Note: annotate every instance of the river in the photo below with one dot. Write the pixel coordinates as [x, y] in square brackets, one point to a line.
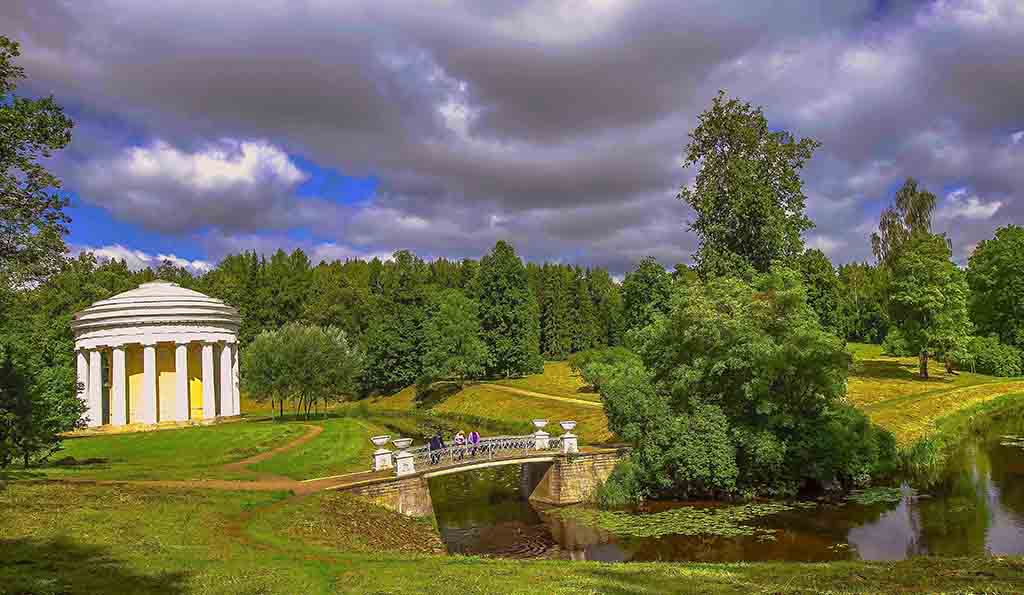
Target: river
[975, 507]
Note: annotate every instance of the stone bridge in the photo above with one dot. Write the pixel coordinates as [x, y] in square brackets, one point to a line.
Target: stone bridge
[567, 474]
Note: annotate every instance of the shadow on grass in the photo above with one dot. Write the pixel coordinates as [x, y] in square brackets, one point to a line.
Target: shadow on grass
[437, 393]
[894, 370]
[65, 566]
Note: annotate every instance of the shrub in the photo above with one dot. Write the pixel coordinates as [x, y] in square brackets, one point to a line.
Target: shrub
[623, 488]
[986, 355]
[896, 345]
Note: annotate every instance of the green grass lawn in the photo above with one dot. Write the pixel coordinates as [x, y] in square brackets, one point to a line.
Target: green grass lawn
[557, 379]
[487, 401]
[58, 538]
[893, 395]
[186, 453]
[342, 447]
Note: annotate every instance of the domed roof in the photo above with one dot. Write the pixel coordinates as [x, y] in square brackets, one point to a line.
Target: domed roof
[155, 304]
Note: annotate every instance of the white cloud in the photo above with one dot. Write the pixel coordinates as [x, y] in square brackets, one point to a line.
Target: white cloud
[959, 204]
[231, 183]
[138, 260]
[1017, 137]
[216, 167]
[826, 244]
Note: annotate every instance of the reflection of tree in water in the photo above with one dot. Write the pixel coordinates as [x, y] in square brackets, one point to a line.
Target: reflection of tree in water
[1008, 470]
[955, 519]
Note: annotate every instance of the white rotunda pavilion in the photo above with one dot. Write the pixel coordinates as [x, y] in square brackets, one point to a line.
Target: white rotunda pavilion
[158, 353]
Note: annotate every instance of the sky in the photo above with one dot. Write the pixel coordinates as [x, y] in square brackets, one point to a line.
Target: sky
[354, 129]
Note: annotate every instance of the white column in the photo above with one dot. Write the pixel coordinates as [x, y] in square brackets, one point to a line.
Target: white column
[95, 410]
[209, 390]
[235, 395]
[181, 405]
[82, 377]
[149, 407]
[227, 399]
[118, 392]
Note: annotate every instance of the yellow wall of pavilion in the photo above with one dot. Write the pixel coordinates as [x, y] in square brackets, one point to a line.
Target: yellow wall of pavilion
[133, 376]
[195, 380]
[165, 381]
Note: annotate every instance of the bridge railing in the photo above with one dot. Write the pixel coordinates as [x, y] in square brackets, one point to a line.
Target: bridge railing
[407, 459]
[486, 449]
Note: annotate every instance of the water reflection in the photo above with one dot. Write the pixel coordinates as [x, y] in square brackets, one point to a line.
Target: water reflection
[975, 508]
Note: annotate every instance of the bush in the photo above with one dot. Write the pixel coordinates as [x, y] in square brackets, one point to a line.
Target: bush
[622, 489]
[895, 344]
[986, 355]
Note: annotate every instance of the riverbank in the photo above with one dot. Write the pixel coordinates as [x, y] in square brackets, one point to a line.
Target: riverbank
[88, 538]
[928, 454]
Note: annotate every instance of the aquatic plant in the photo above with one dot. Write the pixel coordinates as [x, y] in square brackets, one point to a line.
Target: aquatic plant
[878, 495]
[725, 521]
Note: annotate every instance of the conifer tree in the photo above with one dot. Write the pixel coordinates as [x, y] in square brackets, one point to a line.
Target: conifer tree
[508, 314]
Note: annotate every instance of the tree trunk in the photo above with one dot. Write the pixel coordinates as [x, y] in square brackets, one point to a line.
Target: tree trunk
[923, 359]
[280, 408]
[949, 364]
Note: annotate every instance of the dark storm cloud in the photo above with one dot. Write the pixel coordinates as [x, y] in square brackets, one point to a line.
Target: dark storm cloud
[558, 125]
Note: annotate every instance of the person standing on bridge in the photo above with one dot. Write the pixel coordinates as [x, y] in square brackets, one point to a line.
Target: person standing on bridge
[436, 444]
[474, 439]
[460, 444]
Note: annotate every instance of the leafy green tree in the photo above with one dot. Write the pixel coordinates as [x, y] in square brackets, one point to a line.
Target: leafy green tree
[453, 347]
[748, 195]
[738, 391]
[863, 304]
[32, 218]
[909, 215]
[337, 300]
[394, 338]
[307, 365]
[646, 292]
[928, 298]
[995, 274]
[509, 318]
[823, 290]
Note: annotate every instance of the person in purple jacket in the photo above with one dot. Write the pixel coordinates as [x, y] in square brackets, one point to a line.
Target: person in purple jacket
[474, 439]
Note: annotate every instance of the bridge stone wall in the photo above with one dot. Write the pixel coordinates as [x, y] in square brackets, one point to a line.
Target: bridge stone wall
[569, 479]
[572, 479]
[409, 496]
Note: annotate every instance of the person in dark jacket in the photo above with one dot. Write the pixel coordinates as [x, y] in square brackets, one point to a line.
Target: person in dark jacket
[436, 444]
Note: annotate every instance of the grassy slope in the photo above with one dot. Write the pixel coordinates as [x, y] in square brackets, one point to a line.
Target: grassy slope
[889, 390]
[486, 401]
[105, 539]
[342, 447]
[557, 380]
[187, 453]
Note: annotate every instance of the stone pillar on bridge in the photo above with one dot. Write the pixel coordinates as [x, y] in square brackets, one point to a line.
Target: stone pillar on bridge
[570, 443]
[381, 456]
[404, 464]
